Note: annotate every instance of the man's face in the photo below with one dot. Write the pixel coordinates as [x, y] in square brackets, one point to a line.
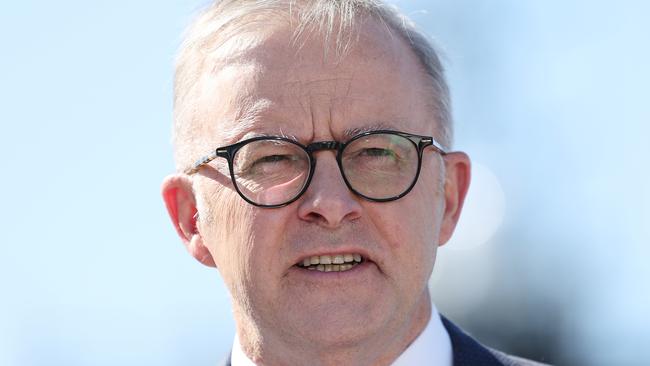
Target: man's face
[275, 88]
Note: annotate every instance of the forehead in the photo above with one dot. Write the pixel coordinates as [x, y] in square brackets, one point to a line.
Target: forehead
[263, 83]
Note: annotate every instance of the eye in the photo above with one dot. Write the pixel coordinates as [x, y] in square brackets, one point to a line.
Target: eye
[377, 152]
[273, 164]
[274, 159]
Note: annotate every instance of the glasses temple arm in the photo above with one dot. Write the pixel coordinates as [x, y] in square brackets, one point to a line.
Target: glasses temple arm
[201, 162]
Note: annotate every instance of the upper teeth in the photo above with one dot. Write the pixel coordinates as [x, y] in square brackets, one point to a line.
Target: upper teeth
[332, 259]
[331, 263]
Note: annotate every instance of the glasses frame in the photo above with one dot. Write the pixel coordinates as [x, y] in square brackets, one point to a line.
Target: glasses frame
[228, 152]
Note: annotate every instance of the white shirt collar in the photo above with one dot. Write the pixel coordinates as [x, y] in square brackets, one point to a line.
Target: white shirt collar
[431, 347]
[238, 357]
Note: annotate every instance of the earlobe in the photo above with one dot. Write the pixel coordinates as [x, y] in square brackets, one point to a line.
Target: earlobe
[181, 206]
[457, 179]
[199, 251]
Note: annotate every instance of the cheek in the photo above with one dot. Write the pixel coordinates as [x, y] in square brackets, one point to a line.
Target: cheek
[411, 227]
[428, 194]
[223, 222]
[244, 241]
[410, 221]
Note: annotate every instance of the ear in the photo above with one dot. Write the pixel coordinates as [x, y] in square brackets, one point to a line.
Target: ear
[179, 198]
[457, 178]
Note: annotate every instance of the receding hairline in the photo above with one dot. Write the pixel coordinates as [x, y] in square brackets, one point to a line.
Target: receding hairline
[337, 22]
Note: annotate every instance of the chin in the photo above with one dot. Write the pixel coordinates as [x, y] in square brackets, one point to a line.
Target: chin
[340, 337]
[340, 322]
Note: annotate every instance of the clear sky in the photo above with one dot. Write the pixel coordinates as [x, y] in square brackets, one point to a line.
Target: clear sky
[551, 102]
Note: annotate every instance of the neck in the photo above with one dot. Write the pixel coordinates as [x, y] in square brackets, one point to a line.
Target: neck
[381, 348]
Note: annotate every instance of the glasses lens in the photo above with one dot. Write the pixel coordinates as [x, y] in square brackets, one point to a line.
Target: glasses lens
[380, 166]
[270, 172]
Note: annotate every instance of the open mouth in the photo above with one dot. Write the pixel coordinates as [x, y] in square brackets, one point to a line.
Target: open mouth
[331, 263]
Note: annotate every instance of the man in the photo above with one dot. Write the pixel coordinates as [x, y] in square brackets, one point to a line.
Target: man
[324, 182]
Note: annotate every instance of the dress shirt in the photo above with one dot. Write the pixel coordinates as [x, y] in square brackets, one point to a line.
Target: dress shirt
[431, 347]
[238, 357]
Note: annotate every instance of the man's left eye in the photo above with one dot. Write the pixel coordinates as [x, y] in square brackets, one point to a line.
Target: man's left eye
[377, 152]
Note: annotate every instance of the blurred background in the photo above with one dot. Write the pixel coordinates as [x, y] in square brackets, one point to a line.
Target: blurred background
[550, 100]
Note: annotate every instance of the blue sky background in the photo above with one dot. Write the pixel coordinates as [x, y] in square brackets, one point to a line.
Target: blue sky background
[551, 102]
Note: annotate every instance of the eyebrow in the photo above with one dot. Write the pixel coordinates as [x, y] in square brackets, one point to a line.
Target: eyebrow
[280, 133]
[241, 133]
[351, 132]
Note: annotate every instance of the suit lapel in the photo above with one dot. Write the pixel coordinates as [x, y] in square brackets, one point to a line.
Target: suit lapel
[466, 350]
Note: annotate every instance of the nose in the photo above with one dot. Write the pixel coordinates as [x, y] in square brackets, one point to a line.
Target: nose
[328, 202]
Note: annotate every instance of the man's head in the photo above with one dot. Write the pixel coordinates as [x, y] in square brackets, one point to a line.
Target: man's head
[309, 72]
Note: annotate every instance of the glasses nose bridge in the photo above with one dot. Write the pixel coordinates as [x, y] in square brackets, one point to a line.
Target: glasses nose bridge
[324, 145]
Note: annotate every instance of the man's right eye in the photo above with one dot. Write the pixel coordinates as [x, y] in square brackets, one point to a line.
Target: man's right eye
[272, 159]
[270, 164]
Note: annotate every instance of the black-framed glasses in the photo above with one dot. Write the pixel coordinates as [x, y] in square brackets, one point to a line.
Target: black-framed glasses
[273, 171]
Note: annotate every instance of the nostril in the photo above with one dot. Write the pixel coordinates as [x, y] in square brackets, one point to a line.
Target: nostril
[330, 208]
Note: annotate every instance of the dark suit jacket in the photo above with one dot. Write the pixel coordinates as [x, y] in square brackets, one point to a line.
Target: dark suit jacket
[468, 352]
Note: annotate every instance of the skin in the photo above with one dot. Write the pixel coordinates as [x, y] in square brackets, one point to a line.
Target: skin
[286, 315]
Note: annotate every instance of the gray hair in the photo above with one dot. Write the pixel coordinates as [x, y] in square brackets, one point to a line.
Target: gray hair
[334, 19]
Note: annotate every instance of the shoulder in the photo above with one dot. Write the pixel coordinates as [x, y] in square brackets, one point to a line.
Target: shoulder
[509, 360]
[468, 351]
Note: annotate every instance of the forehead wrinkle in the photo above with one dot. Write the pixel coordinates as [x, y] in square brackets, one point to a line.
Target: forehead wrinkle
[255, 126]
[247, 117]
[278, 133]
